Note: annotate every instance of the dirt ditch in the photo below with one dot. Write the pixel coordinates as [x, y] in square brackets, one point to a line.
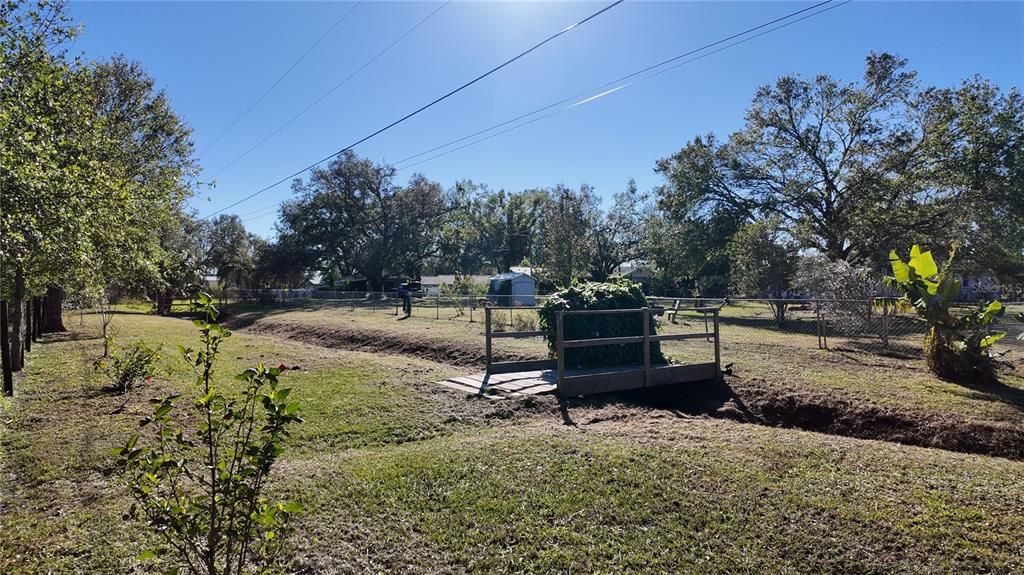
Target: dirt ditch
[359, 338]
[745, 399]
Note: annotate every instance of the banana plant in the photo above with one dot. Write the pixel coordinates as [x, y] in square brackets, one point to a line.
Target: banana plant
[956, 346]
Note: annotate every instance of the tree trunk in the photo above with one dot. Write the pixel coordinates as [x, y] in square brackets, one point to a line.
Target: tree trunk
[17, 315]
[30, 324]
[37, 317]
[5, 350]
[52, 319]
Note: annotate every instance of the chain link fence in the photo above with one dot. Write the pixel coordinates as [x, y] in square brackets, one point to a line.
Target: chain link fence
[877, 325]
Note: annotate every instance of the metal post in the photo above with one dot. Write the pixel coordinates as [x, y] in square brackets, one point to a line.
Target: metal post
[885, 322]
[718, 349]
[469, 302]
[487, 335]
[645, 314]
[560, 346]
[817, 321]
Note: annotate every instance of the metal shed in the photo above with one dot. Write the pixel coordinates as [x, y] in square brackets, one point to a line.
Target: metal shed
[513, 288]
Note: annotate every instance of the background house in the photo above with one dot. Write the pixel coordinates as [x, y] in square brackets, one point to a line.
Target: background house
[432, 284]
[637, 272]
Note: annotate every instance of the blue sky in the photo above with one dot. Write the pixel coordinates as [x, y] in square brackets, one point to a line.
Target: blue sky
[215, 59]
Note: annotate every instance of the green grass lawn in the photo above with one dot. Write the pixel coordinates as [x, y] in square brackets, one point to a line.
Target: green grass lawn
[790, 362]
[399, 476]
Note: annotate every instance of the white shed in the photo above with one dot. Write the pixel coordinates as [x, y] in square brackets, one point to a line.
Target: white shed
[513, 288]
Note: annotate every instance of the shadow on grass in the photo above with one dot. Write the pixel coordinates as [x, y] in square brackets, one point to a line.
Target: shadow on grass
[65, 336]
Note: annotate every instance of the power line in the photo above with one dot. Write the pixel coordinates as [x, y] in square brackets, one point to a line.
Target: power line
[425, 106]
[328, 92]
[280, 78]
[617, 88]
[612, 83]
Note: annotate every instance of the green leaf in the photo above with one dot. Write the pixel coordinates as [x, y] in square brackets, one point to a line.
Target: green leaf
[900, 270]
[990, 339]
[147, 555]
[923, 263]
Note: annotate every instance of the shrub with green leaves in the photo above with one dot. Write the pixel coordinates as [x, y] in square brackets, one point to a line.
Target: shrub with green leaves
[620, 294]
[201, 490]
[129, 366]
[955, 347]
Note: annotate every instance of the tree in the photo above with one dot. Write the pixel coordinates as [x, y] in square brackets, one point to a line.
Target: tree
[230, 252]
[93, 156]
[692, 253]
[184, 243]
[849, 168]
[508, 226]
[763, 261]
[354, 216]
[281, 264]
[619, 233]
[978, 141]
[566, 242]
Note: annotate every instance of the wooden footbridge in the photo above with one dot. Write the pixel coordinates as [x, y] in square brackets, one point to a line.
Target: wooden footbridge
[517, 378]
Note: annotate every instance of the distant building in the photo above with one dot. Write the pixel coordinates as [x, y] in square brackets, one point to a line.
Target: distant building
[637, 272]
[432, 284]
[522, 270]
[976, 288]
[513, 288]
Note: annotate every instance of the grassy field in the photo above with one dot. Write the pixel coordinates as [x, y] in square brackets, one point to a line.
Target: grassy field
[400, 476]
[759, 354]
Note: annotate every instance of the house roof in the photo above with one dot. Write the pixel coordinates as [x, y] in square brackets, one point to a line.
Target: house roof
[450, 279]
[511, 276]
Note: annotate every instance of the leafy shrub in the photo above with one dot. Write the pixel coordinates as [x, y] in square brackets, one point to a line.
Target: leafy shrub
[834, 285]
[129, 366]
[463, 290]
[621, 294]
[955, 347]
[202, 491]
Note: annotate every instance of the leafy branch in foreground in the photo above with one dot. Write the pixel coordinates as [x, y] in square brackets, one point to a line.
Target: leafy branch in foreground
[956, 347]
[202, 491]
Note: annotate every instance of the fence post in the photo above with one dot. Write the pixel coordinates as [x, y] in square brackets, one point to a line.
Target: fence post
[885, 323]
[817, 321]
[718, 350]
[470, 303]
[437, 305]
[645, 314]
[487, 335]
[560, 346]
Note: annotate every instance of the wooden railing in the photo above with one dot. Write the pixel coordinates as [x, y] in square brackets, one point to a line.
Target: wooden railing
[573, 382]
[651, 375]
[511, 366]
